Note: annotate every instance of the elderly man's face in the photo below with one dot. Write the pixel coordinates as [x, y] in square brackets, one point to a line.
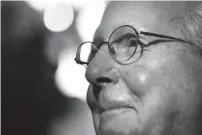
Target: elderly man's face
[157, 95]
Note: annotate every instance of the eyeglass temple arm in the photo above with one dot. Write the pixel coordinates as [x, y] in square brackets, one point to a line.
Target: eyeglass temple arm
[161, 36]
[168, 37]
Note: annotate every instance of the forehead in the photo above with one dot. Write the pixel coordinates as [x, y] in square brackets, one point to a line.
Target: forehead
[148, 16]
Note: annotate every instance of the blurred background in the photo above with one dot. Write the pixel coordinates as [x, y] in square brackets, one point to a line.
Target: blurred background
[43, 89]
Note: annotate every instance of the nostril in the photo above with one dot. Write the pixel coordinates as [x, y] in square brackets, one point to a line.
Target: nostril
[97, 87]
[103, 80]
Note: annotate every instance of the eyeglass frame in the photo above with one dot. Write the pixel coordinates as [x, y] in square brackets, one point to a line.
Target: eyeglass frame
[172, 39]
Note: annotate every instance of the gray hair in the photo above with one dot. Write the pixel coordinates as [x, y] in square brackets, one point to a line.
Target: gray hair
[191, 23]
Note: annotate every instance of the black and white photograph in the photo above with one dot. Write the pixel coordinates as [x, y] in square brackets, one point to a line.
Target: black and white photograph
[98, 67]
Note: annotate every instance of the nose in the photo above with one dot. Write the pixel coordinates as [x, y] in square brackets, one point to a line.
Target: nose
[101, 70]
[107, 89]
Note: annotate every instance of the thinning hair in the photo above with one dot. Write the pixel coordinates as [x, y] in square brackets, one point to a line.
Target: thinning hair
[191, 23]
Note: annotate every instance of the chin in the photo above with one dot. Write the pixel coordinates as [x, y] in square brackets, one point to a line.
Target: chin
[130, 123]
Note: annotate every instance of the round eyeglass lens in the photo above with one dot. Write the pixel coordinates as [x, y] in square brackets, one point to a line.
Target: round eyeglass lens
[123, 44]
[86, 52]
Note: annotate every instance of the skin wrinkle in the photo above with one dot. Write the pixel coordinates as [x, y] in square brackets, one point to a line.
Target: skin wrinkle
[168, 99]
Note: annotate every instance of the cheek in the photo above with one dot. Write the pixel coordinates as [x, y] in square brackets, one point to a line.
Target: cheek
[160, 100]
[157, 81]
[159, 110]
[162, 86]
[154, 69]
[141, 79]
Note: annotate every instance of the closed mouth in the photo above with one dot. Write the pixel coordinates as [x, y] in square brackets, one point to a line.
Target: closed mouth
[118, 109]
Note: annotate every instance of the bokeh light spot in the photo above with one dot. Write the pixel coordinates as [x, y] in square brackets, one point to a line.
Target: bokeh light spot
[89, 19]
[70, 77]
[58, 16]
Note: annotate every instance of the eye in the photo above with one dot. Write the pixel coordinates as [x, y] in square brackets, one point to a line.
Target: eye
[132, 42]
[124, 43]
[124, 48]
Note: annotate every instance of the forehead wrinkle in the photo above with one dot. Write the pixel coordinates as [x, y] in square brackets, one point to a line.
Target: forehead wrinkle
[118, 14]
[121, 13]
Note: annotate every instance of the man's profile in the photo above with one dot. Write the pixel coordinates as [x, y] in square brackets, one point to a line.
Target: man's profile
[146, 82]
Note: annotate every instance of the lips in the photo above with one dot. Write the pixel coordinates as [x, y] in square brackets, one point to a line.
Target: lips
[115, 106]
[116, 110]
[117, 103]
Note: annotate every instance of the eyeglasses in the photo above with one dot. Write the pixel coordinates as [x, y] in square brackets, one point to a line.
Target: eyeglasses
[125, 45]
